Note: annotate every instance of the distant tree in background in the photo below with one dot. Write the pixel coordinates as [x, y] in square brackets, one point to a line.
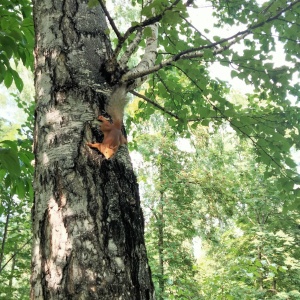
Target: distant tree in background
[253, 253]
[16, 170]
[215, 194]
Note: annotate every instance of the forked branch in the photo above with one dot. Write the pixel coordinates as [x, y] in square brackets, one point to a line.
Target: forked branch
[137, 27]
[224, 44]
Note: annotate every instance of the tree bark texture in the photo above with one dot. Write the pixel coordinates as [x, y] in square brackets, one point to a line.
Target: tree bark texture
[88, 230]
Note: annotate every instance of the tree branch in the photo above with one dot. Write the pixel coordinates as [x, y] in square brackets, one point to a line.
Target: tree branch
[17, 252]
[198, 53]
[110, 19]
[155, 104]
[222, 116]
[195, 28]
[142, 24]
[187, 54]
[130, 49]
[275, 16]
[238, 128]
[148, 100]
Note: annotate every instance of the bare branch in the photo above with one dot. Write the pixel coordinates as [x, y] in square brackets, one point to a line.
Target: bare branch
[155, 104]
[110, 19]
[148, 59]
[16, 252]
[161, 108]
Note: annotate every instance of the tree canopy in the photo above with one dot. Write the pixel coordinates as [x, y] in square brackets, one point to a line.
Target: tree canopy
[180, 85]
[16, 39]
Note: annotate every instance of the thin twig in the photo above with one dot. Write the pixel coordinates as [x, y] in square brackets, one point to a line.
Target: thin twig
[18, 251]
[155, 104]
[148, 100]
[110, 19]
[233, 125]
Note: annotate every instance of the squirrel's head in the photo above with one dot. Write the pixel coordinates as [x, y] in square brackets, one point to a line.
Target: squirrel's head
[107, 125]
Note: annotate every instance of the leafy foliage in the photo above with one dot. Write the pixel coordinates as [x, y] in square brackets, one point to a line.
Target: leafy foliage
[16, 39]
[170, 228]
[16, 192]
[16, 170]
[182, 88]
[217, 193]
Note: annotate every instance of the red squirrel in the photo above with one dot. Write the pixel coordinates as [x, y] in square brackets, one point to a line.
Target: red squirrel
[113, 136]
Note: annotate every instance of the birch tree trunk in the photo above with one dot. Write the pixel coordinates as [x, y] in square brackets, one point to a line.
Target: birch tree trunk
[88, 230]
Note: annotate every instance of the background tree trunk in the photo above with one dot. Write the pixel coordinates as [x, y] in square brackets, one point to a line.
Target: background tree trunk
[87, 222]
[4, 235]
[160, 229]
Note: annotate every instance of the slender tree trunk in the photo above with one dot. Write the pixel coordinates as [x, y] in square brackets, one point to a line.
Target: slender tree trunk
[88, 230]
[12, 271]
[274, 285]
[260, 283]
[5, 234]
[160, 222]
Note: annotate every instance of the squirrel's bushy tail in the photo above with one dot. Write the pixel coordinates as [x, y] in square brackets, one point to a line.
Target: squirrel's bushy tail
[116, 105]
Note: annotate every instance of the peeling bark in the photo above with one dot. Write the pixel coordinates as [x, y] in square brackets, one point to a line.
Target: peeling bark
[88, 229]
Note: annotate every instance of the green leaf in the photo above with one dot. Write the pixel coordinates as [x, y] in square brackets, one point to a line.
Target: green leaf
[205, 122]
[8, 79]
[234, 73]
[147, 32]
[20, 189]
[146, 11]
[207, 54]
[17, 79]
[9, 161]
[171, 18]
[2, 72]
[216, 38]
[10, 144]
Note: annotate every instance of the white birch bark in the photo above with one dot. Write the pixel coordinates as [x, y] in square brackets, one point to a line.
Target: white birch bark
[87, 222]
[147, 61]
